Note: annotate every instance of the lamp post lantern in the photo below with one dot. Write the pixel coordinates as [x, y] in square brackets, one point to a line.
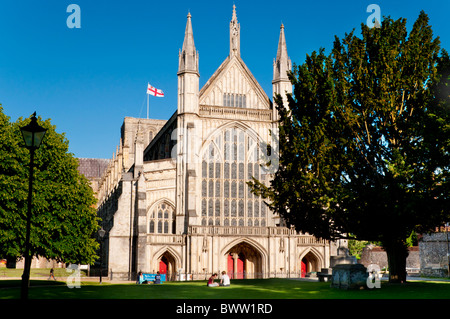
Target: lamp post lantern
[32, 134]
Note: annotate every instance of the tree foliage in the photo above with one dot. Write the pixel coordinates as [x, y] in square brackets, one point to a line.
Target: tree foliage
[63, 216]
[364, 144]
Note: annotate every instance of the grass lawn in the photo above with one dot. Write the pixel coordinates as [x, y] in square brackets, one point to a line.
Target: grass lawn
[240, 289]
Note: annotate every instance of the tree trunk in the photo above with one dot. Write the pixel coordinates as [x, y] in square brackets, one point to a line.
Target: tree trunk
[397, 252]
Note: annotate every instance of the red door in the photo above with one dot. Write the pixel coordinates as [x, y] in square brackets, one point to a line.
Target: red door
[230, 268]
[163, 266]
[303, 266]
[240, 267]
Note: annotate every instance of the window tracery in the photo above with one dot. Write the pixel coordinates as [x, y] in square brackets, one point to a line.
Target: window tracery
[162, 219]
[229, 161]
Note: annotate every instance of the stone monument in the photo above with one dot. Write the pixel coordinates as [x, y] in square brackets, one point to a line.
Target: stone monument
[349, 276]
[343, 257]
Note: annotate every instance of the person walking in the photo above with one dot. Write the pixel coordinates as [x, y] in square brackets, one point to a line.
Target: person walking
[52, 275]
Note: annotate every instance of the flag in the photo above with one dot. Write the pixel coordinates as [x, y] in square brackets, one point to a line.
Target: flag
[154, 91]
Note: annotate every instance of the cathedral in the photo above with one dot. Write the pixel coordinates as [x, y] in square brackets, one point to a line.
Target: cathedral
[174, 197]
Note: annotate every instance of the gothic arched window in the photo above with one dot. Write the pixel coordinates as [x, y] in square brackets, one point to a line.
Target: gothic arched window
[234, 100]
[162, 219]
[229, 161]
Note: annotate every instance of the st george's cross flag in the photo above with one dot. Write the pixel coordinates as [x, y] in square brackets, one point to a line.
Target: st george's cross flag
[154, 91]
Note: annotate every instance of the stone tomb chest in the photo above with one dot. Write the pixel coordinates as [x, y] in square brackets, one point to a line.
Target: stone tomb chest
[349, 276]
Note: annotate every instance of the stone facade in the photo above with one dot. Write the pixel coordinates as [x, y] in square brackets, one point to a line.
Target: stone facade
[174, 197]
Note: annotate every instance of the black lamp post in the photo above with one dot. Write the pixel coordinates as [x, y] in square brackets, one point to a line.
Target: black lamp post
[32, 134]
[101, 234]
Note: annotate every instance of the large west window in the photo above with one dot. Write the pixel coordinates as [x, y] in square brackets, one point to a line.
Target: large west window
[229, 161]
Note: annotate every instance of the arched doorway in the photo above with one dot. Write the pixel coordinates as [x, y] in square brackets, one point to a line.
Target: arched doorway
[244, 261]
[309, 263]
[167, 265]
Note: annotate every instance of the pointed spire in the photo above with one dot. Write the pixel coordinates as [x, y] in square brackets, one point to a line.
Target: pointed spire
[188, 58]
[234, 13]
[235, 46]
[282, 63]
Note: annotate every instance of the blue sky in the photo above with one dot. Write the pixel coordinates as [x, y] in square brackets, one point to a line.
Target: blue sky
[88, 79]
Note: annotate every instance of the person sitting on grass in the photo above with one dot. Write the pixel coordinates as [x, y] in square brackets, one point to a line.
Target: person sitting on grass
[225, 280]
[211, 282]
[157, 278]
[140, 279]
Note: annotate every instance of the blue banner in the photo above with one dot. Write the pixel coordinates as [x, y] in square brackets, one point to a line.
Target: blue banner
[151, 277]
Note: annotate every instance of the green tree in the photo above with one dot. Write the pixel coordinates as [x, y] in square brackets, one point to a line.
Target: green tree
[63, 217]
[364, 144]
[356, 247]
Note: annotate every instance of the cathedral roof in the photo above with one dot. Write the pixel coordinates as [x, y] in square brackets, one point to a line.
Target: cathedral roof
[92, 167]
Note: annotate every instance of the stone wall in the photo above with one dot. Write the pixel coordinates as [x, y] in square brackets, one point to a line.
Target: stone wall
[376, 255]
[433, 250]
[40, 262]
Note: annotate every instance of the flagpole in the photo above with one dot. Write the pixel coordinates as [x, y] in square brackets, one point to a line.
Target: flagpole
[147, 105]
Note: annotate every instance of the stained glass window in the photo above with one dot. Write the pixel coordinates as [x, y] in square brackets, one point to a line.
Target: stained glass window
[204, 188]
[204, 207]
[225, 193]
